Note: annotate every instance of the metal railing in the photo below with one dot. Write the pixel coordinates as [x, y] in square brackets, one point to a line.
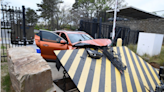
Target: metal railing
[11, 21]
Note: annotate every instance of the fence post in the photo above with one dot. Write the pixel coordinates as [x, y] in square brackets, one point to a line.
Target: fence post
[24, 26]
[94, 27]
[81, 28]
[99, 35]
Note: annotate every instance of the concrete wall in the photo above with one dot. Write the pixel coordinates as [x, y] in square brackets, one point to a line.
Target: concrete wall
[146, 25]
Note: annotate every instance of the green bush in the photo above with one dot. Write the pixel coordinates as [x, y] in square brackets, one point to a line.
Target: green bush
[157, 58]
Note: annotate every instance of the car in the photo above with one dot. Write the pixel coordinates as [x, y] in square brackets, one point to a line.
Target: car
[48, 41]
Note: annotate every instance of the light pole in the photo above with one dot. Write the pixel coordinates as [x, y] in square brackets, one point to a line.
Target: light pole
[114, 20]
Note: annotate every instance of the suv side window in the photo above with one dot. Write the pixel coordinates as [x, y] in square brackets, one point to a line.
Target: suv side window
[38, 33]
[64, 36]
[57, 33]
[48, 36]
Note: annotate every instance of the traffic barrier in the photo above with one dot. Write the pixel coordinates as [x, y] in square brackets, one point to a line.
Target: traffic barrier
[100, 75]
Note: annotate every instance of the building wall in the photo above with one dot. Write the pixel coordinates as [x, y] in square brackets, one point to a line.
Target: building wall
[147, 25]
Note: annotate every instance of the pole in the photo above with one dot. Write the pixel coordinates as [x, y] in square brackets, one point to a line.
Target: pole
[114, 21]
[24, 26]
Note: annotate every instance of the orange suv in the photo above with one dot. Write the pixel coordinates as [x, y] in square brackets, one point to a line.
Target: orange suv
[48, 41]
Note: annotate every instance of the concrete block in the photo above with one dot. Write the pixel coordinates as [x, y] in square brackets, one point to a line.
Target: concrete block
[29, 72]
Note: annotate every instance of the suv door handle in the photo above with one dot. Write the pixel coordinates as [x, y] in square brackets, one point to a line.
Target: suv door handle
[45, 45]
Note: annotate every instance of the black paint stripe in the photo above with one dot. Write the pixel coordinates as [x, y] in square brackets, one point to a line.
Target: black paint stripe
[88, 85]
[155, 82]
[80, 68]
[102, 75]
[124, 87]
[61, 54]
[150, 87]
[156, 72]
[113, 77]
[130, 72]
[138, 74]
[71, 59]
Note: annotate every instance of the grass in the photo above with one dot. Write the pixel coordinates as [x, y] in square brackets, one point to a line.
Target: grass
[132, 47]
[4, 52]
[157, 58]
[3, 47]
[4, 59]
[6, 83]
[5, 78]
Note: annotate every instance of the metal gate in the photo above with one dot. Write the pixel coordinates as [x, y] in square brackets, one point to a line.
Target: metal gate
[97, 29]
[12, 20]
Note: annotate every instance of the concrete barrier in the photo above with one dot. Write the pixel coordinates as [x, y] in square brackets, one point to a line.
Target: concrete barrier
[29, 72]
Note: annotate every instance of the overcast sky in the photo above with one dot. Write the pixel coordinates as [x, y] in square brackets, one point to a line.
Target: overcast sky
[146, 5]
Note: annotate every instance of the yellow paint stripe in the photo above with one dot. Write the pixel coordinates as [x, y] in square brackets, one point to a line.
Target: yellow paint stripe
[138, 86]
[65, 57]
[126, 73]
[147, 73]
[108, 76]
[118, 77]
[153, 72]
[96, 77]
[84, 74]
[75, 63]
[57, 52]
[157, 71]
[100, 51]
[140, 72]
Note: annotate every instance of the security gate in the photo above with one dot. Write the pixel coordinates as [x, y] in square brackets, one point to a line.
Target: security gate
[12, 20]
[97, 29]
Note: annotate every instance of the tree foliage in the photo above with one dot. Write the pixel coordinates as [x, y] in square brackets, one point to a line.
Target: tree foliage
[93, 8]
[163, 15]
[48, 9]
[31, 16]
[63, 17]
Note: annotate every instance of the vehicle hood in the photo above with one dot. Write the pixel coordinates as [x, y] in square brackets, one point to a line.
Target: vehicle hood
[96, 42]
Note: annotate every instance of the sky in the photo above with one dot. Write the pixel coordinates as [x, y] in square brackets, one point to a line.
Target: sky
[146, 5]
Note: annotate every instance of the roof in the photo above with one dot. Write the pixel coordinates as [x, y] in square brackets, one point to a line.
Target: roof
[100, 75]
[135, 13]
[69, 31]
[63, 31]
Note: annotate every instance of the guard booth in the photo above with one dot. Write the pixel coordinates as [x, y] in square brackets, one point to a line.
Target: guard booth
[100, 75]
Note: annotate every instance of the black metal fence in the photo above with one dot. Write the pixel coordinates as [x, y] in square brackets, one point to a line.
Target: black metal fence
[97, 29]
[12, 21]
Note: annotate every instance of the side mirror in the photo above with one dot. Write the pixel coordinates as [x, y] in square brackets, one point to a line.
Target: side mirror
[63, 42]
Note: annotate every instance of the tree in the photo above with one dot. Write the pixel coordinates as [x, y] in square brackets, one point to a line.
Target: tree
[4, 3]
[154, 12]
[31, 16]
[83, 7]
[62, 18]
[94, 7]
[163, 15]
[48, 9]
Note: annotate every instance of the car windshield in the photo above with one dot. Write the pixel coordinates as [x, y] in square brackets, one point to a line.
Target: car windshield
[79, 37]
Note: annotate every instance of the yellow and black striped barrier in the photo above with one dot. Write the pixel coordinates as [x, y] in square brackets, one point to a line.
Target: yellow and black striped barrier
[99, 75]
